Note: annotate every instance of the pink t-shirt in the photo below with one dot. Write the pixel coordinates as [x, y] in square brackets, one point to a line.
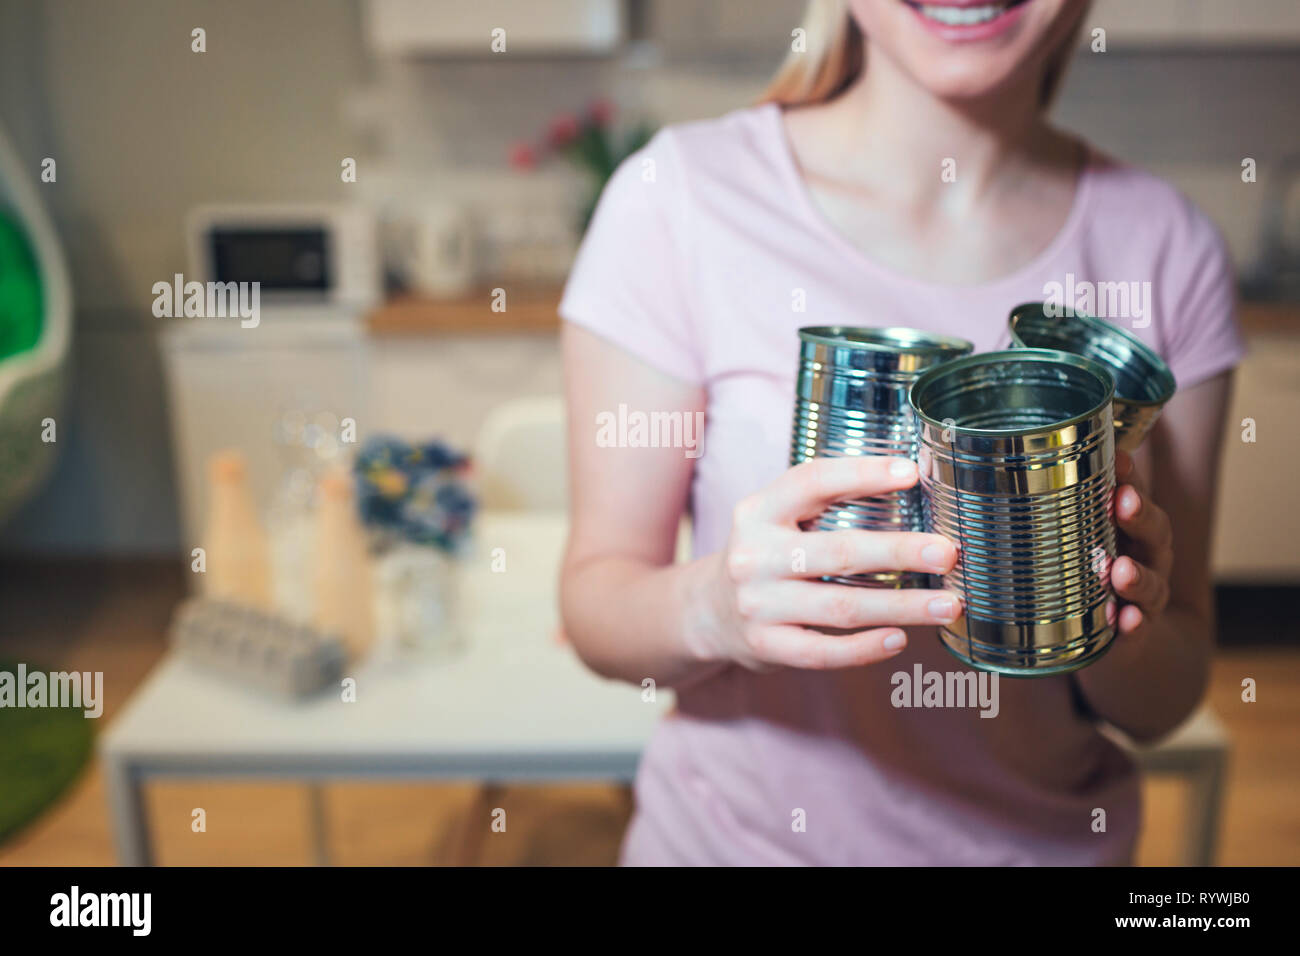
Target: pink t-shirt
[702, 250]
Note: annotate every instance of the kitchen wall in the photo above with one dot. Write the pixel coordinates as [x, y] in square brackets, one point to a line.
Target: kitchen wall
[142, 128]
[1190, 114]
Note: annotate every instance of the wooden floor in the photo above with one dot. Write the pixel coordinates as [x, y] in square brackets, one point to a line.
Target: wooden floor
[112, 619]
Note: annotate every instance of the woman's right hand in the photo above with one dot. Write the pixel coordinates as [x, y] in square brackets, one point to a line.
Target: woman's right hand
[768, 604]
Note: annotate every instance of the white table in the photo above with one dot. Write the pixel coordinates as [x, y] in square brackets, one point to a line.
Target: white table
[516, 706]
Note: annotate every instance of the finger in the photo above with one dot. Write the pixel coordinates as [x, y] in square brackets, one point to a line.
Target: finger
[1138, 584]
[1126, 471]
[812, 603]
[838, 553]
[855, 551]
[806, 489]
[797, 647]
[1131, 619]
[1143, 521]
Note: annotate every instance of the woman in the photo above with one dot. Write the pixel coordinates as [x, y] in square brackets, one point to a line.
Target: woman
[901, 172]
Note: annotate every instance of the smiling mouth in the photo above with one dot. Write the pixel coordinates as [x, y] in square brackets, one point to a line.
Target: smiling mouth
[964, 16]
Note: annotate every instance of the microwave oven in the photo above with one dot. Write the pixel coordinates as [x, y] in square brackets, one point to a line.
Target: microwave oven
[302, 254]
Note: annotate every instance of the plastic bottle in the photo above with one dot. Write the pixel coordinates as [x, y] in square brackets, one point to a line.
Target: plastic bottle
[341, 583]
[238, 565]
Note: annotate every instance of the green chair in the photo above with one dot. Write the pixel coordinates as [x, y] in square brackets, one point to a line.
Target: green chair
[32, 379]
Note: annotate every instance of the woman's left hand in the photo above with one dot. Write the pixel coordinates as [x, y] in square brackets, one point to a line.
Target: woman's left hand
[1141, 575]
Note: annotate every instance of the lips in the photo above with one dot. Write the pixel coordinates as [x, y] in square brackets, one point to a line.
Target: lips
[967, 19]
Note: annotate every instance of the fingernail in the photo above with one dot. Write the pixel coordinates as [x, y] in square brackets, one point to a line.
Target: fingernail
[895, 641]
[942, 609]
[1132, 501]
[935, 555]
[900, 468]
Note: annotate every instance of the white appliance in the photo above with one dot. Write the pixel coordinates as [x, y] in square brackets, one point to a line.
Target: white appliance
[302, 254]
[433, 249]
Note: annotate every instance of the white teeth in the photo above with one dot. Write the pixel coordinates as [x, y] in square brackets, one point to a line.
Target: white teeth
[962, 16]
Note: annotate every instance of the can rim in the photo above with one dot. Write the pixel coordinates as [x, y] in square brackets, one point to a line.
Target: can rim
[885, 339]
[1054, 356]
[1164, 375]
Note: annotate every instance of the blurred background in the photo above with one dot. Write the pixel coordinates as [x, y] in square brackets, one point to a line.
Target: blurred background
[410, 188]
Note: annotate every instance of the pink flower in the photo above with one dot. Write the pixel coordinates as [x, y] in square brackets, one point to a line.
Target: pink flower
[564, 129]
[523, 156]
[601, 112]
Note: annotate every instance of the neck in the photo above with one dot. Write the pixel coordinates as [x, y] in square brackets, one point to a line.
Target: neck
[905, 134]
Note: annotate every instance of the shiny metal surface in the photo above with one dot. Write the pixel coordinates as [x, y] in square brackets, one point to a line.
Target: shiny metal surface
[851, 399]
[1143, 382]
[1017, 466]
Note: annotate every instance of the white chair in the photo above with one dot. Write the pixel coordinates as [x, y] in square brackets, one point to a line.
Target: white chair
[520, 461]
[1197, 752]
[519, 457]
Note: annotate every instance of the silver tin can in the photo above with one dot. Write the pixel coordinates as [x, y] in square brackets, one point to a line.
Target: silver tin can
[1018, 468]
[851, 399]
[1143, 382]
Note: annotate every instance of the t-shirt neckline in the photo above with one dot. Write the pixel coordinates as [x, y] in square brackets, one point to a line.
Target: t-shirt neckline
[789, 165]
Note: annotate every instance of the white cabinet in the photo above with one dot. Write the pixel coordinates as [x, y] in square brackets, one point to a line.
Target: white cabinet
[414, 27]
[231, 387]
[1257, 527]
[1197, 23]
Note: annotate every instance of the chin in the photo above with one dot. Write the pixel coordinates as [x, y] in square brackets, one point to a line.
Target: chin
[962, 78]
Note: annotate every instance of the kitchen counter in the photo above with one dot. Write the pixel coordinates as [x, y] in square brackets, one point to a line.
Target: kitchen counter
[528, 309]
[1269, 318]
[534, 308]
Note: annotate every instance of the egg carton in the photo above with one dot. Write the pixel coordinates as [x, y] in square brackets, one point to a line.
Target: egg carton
[261, 650]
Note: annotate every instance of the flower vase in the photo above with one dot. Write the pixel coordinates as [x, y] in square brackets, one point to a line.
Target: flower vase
[416, 601]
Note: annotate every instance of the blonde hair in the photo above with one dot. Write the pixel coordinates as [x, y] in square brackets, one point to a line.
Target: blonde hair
[835, 56]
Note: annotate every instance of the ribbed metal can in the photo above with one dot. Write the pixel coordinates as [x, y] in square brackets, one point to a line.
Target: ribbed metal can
[1143, 382]
[1017, 465]
[851, 399]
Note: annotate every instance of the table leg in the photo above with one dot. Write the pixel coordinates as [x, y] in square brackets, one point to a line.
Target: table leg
[319, 829]
[478, 818]
[129, 817]
[1203, 807]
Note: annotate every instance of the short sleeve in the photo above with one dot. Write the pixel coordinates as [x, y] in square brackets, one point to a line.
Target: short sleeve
[1202, 337]
[629, 281]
